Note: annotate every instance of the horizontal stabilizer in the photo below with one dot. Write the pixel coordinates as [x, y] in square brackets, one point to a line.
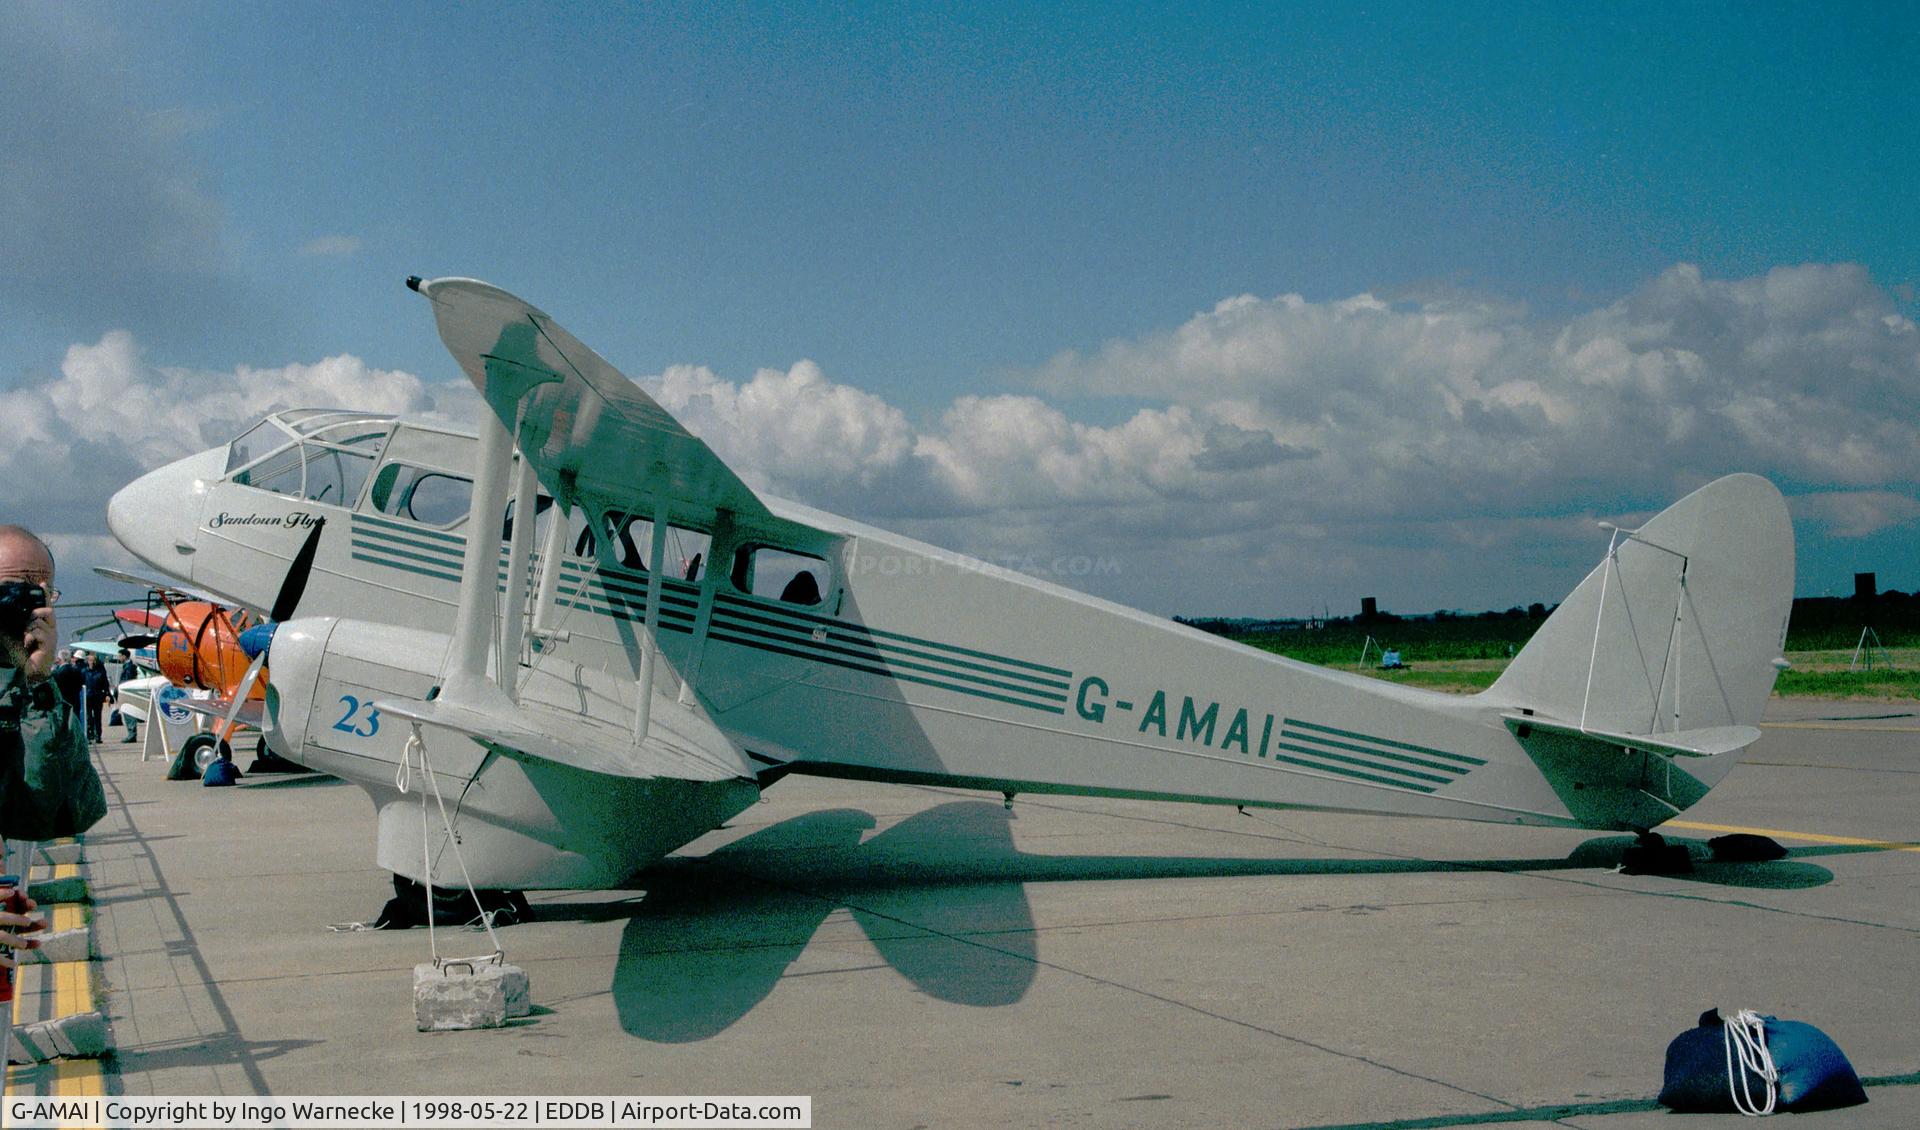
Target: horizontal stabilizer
[1709, 741]
[578, 743]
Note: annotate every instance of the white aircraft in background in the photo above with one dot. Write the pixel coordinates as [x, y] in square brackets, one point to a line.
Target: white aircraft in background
[601, 685]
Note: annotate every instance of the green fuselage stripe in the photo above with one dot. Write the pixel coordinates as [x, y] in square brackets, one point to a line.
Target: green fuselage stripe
[456, 540]
[406, 568]
[883, 672]
[438, 552]
[1428, 750]
[1362, 763]
[947, 664]
[670, 619]
[729, 623]
[844, 626]
[394, 551]
[1344, 772]
[624, 598]
[1454, 770]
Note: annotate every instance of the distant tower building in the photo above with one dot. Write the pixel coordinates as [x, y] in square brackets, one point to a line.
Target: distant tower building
[1864, 588]
[1370, 607]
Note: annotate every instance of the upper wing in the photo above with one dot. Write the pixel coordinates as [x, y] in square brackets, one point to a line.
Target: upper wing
[588, 431]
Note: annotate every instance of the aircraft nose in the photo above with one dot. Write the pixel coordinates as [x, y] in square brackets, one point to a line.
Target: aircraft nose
[156, 517]
[296, 653]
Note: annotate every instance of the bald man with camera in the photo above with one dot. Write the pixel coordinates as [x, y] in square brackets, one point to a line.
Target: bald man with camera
[48, 787]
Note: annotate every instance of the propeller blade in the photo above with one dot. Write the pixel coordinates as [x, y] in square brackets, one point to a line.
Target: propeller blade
[240, 694]
[295, 586]
[135, 643]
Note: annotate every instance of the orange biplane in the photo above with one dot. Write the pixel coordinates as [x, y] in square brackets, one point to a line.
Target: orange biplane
[197, 644]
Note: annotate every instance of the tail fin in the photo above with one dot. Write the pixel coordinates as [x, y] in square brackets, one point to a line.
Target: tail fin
[1677, 629]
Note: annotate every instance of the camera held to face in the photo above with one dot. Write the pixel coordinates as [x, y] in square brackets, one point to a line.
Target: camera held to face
[18, 602]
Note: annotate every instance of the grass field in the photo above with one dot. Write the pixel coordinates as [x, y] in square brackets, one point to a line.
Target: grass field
[1466, 654]
[1815, 674]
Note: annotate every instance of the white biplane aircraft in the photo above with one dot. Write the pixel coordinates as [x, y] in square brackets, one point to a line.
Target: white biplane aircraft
[628, 670]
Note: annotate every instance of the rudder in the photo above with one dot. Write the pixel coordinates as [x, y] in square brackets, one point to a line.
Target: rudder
[1677, 629]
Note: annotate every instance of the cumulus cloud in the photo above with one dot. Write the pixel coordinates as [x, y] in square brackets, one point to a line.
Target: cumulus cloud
[1292, 437]
[109, 416]
[1806, 373]
[796, 429]
[1857, 514]
[1290, 453]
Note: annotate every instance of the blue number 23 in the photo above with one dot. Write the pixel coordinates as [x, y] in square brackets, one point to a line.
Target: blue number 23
[346, 722]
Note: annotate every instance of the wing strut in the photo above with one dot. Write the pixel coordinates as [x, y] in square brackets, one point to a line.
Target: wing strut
[650, 642]
[473, 625]
[519, 558]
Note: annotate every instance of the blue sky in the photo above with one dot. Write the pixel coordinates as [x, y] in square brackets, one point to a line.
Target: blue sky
[968, 241]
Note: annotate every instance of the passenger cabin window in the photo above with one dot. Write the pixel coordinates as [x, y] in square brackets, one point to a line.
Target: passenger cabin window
[631, 541]
[541, 504]
[797, 578]
[431, 498]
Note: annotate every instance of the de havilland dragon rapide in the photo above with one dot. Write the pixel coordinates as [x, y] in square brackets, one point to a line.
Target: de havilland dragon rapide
[591, 642]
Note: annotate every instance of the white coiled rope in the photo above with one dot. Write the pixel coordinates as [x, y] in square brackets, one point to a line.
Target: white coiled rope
[417, 747]
[1746, 1036]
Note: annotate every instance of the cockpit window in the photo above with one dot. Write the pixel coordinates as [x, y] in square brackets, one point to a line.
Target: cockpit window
[432, 498]
[335, 475]
[256, 441]
[312, 471]
[332, 425]
[797, 578]
[309, 453]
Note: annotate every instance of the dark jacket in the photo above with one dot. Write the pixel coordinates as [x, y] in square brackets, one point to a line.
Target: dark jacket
[69, 678]
[99, 687]
[48, 787]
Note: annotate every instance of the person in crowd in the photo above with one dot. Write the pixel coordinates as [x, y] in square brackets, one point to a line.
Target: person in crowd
[100, 693]
[70, 678]
[128, 670]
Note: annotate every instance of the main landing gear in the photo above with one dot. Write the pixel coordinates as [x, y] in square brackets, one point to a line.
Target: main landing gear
[408, 906]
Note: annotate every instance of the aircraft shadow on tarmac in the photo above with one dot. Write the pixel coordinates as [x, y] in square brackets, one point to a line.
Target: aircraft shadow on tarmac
[941, 896]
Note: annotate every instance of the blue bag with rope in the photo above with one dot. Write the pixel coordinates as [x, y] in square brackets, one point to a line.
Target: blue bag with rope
[1757, 1064]
[222, 772]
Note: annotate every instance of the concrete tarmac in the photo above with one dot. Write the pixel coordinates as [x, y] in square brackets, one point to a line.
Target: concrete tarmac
[926, 957]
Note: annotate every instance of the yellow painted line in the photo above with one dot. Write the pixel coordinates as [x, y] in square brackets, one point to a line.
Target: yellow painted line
[72, 994]
[78, 1078]
[72, 985]
[1809, 837]
[1839, 726]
